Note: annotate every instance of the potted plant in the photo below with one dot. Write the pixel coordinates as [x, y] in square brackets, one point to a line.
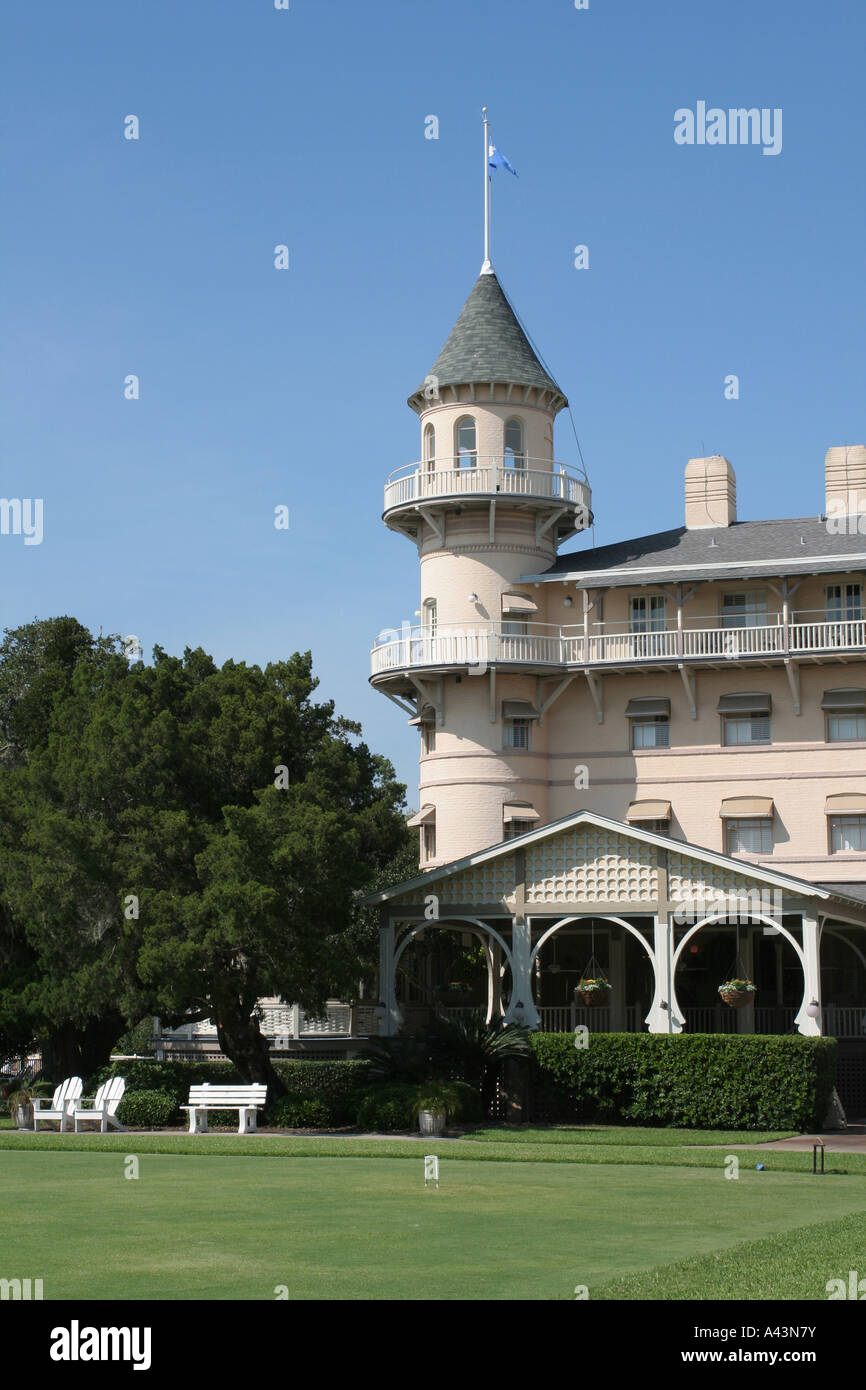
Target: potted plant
[431, 1110]
[592, 989]
[737, 993]
[20, 1102]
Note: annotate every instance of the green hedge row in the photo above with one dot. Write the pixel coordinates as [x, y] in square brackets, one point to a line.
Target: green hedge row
[697, 1081]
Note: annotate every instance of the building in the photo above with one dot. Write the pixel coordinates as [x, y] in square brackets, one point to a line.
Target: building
[615, 737]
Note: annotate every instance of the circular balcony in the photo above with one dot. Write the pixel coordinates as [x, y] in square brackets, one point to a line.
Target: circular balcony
[472, 648]
[473, 477]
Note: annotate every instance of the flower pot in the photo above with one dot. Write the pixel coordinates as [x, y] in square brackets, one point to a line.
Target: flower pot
[431, 1122]
[736, 998]
[590, 998]
[23, 1117]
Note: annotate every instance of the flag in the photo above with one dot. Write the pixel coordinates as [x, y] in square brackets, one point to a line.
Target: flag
[495, 161]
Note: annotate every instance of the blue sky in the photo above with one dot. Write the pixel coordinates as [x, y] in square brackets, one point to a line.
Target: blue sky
[261, 387]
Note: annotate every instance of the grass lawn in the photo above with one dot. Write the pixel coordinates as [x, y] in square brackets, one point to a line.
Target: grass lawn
[224, 1225]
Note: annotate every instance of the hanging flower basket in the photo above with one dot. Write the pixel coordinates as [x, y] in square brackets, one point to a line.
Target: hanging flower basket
[738, 993]
[593, 990]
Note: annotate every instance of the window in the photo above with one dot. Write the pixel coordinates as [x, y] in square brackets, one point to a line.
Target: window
[651, 733]
[745, 610]
[428, 840]
[429, 448]
[740, 729]
[847, 833]
[515, 733]
[844, 601]
[515, 456]
[752, 835]
[513, 828]
[430, 617]
[514, 628]
[842, 728]
[464, 440]
[648, 613]
[428, 738]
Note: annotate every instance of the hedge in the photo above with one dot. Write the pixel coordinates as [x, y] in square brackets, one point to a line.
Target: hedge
[146, 1109]
[333, 1082]
[695, 1081]
[385, 1108]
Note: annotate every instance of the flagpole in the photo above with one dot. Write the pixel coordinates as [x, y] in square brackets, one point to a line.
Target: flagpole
[487, 267]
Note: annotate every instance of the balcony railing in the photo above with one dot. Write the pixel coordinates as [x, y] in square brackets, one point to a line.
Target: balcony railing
[474, 475]
[543, 644]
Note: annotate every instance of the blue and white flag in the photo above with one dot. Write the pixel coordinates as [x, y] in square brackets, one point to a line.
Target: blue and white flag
[495, 161]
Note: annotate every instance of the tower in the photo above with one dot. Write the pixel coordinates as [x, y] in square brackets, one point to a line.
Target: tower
[486, 503]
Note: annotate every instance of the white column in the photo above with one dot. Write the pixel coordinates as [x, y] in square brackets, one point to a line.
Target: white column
[811, 1027]
[393, 1019]
[664, 1015]
[521, 976]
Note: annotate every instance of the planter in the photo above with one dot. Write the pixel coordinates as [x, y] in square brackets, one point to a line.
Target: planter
[737, 998]
[431, 1122]
[23, 1117]
[591, 997]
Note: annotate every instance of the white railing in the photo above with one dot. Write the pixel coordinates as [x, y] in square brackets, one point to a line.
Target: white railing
[844, 1021]
[564, 1018]
[275, 1021]
[479, 644]
[486, 476]
[476, 645]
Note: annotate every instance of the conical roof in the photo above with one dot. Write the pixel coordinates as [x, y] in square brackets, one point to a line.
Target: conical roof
[488, 344]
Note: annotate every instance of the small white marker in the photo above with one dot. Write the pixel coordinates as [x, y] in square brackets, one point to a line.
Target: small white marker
[431, 1169]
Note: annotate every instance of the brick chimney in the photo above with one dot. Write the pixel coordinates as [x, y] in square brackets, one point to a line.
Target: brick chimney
[845, 480]
[711, 493]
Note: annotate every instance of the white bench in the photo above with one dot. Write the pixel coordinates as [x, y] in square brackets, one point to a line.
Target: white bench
[247, 1100]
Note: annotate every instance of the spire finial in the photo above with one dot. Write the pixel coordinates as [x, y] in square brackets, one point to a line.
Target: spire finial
[487, 267]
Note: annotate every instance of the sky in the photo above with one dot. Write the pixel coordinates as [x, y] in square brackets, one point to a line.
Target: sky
[262, 387]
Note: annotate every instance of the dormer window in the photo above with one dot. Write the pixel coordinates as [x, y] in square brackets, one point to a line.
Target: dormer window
[464, 442]
[515, 453]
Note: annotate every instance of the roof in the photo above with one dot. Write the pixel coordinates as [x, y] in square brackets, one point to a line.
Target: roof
[743, 550]
[745, 869]
[487, 343]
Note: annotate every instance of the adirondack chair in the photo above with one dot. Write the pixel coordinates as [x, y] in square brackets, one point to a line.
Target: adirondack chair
[103, 1106]
[63, 1102]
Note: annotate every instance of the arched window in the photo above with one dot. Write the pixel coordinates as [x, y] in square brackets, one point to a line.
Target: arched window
[515, 454]
[429, 448]
[464, 442]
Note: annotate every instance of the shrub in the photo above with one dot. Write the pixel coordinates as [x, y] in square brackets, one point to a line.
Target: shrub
[397, 1106]
[696, 1081]
[172, 1078]
[146, 1109]
[335, 1083]
[301, 1112]
[461, 1103]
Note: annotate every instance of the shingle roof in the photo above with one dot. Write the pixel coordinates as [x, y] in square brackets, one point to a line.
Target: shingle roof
[488, 344]
[746, 549]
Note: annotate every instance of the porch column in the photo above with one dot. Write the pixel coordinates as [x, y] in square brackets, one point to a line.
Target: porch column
[493, 952]
[617, 980]
[810, 1027]
[393, 1019]
[522, 1007]
[668, 1019]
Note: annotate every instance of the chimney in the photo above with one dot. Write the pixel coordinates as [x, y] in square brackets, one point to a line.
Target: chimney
[845, 480]
[711, 493]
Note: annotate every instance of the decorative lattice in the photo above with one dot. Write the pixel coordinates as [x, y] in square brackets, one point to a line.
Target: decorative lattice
[590, 864]
[695, 880]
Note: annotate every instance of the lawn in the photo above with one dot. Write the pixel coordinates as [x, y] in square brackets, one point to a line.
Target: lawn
[225, 1225]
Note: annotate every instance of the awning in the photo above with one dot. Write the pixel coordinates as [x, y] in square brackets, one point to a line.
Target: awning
[845, 804]
[518, 709]
[753, 702]
[518, 603]
[751, 806]
[849, 699]
[512, 811]
[426, 716]
[648, 810]
[425, 816]
[648, 708]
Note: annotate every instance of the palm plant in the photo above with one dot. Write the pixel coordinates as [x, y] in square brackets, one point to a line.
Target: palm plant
[477, 1049]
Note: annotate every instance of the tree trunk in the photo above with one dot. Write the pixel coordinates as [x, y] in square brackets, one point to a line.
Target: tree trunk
[516, 1087]
[241, 1039]
[70, 1050]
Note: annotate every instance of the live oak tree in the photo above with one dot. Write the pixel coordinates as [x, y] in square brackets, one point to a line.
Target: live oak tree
[193, 838]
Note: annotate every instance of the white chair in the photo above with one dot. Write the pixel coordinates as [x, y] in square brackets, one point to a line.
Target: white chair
[62, 1103]
[103, 1106]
